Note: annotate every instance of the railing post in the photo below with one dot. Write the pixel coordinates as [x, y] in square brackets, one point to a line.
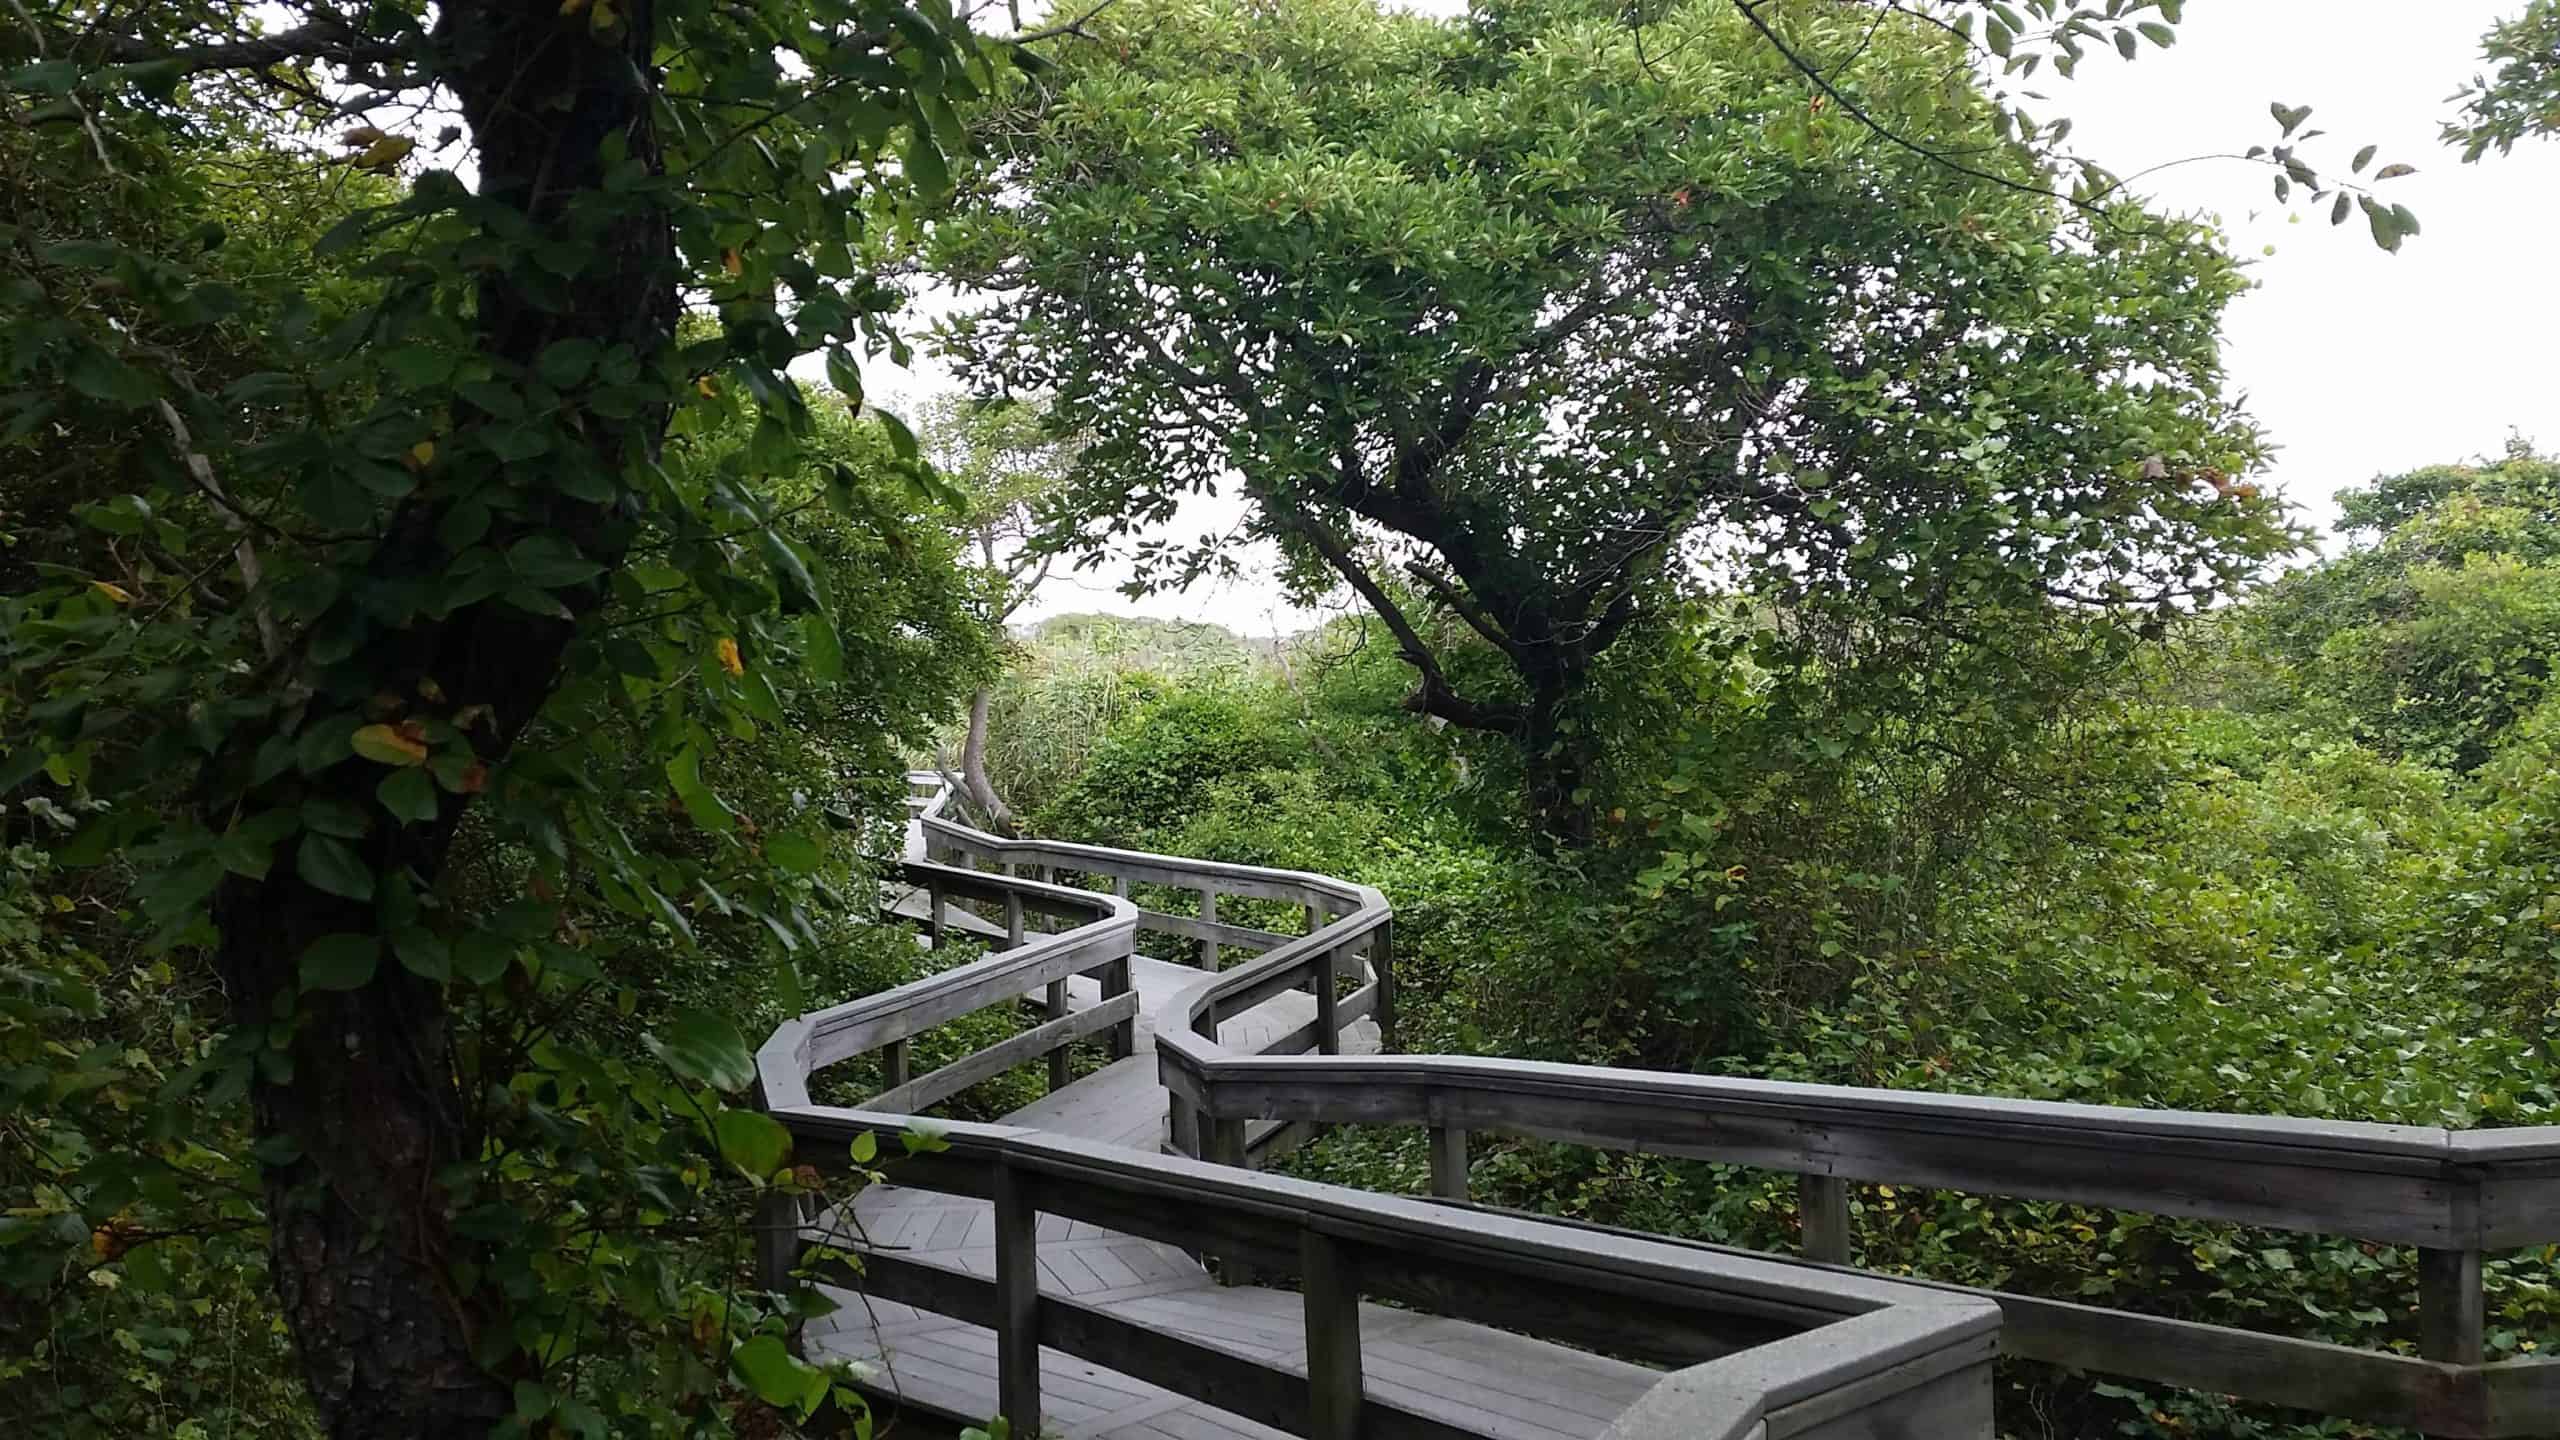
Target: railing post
[777, 1239]
[1017, 1302]
[1315, 918]
[1333, 1339]
[1382, 963]
[1448, 1162]
[1060, 1058]
[1328, 1024]
[1823, 1205]
[2451, 1312]
[1120, 886]
[1012, 921]
[1115, 983]
[893, 1064]
[1209, 916]
[1224, 1139]
[933, 921]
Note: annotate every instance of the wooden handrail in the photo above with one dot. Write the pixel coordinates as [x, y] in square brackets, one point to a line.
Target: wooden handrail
[1755, 1340]
[1761, 1341]
[2451, 1194]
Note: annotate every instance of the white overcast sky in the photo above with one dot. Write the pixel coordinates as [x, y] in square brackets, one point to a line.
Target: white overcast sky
[2357, 363]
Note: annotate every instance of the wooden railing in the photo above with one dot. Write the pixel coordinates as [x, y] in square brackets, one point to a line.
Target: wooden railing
[1763, 1348]
[2451, 1195]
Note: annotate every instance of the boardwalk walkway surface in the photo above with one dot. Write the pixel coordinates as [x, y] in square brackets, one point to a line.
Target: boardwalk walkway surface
[1481, 1379]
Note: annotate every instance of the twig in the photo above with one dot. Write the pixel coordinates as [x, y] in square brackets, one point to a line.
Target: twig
[201, 469]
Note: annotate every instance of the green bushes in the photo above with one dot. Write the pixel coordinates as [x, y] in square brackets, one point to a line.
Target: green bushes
[1150, 774]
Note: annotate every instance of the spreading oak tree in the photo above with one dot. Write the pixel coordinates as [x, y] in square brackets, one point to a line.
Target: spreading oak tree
[379, 558]
[1529, 320]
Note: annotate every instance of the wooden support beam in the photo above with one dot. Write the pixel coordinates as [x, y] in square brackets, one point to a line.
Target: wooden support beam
[1209, 948]
[893, 1065]
[1328, 1024]
[1012, 922]
[1017, 1324]
[2451, 1313]
[1061, 1069]
[933, 921]
[1332, 1305]
[1225, 1142]
[1448, 1162]
[1115, 982]
[777, 1239]
[1382, 964]
[1823, 1202]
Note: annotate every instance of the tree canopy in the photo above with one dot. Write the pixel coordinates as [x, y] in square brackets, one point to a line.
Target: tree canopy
[1524, 319]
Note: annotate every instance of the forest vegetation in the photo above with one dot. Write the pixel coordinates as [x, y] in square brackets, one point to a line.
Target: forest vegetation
[465, 627]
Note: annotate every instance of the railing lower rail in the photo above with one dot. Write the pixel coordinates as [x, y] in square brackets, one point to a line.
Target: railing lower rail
[1764, 1348]
[2451, 1195]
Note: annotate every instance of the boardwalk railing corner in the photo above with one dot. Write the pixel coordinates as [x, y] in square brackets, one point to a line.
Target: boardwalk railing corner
[1762, 1347]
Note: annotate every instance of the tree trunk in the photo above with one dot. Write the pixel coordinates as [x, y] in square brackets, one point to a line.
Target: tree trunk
[973, 767]
[366, 1109]
[1557, 769]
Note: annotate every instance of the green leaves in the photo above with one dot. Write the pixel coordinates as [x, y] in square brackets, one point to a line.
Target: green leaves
[410, 795]
[565, 363]
[339, 962]
[2391, 224]
[684, 773]
[777, 1377]
[704, 1047]
[752, 1140]
[328, 863]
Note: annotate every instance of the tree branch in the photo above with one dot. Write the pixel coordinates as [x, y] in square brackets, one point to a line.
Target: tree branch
[1434, 695]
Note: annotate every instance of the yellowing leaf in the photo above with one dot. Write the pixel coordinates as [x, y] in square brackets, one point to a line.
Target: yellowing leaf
[707, 388]
[385, 153]
[730, 660]
[117, 593]
[572, 7]
[361, 136]
[386, 745]
[423, 453]
[730, 262]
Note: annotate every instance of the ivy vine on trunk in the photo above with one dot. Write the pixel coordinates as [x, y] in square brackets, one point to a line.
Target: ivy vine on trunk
[356, 616]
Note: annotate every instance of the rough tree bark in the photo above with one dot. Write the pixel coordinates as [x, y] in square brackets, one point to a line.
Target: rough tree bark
[990, 806]
[363, 1235]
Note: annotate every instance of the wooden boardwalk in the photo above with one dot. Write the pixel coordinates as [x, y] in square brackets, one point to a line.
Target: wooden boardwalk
[1487, 1380]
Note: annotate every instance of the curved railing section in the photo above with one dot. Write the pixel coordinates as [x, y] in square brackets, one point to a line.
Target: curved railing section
[2449, 1195]
[1342, 957]
[1759, 1348]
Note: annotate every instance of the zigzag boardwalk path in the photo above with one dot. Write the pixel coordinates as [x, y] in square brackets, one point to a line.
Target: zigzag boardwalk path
[1478, 1378]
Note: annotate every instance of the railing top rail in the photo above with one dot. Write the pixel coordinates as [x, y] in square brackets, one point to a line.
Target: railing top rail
[1102, 859]
[1111, 916]
[1365, 909]
[1459, 1239]
[2347, 1143]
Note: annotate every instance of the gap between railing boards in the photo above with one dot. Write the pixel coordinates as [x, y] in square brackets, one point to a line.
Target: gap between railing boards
[2451, 1195]
[1814, 1349]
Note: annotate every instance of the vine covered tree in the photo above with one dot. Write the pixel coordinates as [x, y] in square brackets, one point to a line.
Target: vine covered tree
[1539, 316]
[382, 561]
